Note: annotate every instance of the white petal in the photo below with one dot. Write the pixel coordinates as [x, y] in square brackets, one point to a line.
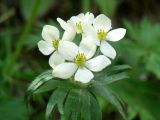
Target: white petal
[102, 22]
[45, 47]
[64, 70]
[83, 75]
[116, 34]
[88, 46]
[68, 49]
[55, 59]
[69, 34]
[63, 23]
[89, 17]
[74, 20]
[81, 16]
[89, 31]
[49, 33]
[98, 63]
[107, 50]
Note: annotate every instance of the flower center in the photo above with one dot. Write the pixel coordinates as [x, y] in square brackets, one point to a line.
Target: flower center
[80, 59]
[55, 43]
[101, 34]
[79, 26]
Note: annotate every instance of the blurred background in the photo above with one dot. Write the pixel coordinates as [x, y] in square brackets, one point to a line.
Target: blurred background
[21, 23]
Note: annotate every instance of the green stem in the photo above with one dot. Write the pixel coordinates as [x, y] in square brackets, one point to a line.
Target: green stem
[8, 68]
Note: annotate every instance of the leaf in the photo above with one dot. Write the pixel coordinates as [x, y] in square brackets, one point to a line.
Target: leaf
[141, 97]
[96, 113]
[120, 67]
[98, 89]
[72, 102]
[57, 98]
[41, 79]
[112, 70]
[48, 86]
[85, 107]
[112, 74]
[153, 64]
[115, 77]
[142, 47]
[81, 105]
[129, 51]
[133, 30]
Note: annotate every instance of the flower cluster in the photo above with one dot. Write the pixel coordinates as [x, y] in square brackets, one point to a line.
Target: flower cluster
[70, 60]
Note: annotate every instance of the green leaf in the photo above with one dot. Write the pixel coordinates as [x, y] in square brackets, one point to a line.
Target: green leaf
[112, 74]
[72, 102]
[115, 77]
[57, 98]
[81, 105]
[119, 68]
[99, 89]
[48, 86]
[41, 79]
[144, 38]
[112, 70]
[153, 64]
[96, 113]
[142, 98]
[85, 107]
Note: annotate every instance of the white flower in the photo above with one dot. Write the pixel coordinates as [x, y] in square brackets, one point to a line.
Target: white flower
[69, 33]
[50, 45]
[82, 20]
[80, 61]
[100, 31]
[77, 23]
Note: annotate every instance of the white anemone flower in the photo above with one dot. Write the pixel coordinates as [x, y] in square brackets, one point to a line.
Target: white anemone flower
[79, 61]
[100, 31]
[77, 23]
[82, 20]
[69, 31]
[50, 45]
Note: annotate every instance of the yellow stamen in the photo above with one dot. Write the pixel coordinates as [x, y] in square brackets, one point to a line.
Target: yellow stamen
[55, 43]
[101, 34]
[79, 26]
[80, 59]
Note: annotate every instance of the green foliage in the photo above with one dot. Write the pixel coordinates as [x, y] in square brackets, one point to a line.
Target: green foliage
[27, 6]
[142, 98]
[46, 76]
[10, 111]
[101, 90]
[142, 46]
[107, 6]
[141, 50]
[68, 95]
[112, 74]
